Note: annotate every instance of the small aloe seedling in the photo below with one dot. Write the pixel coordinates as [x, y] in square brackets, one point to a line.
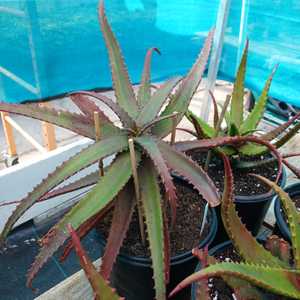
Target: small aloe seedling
[238, 125]
[142, 160]
[277, 270]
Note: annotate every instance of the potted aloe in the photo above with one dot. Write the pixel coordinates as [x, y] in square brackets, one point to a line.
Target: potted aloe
[137, 186]
[251, 270]
[252, 197]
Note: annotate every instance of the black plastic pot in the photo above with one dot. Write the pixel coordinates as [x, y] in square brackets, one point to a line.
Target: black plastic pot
[251, 209]
[132, 276]
[281, 227]
[218, 248]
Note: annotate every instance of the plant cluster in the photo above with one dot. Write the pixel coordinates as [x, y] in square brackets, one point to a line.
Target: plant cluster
[139, 178]
[274, 269]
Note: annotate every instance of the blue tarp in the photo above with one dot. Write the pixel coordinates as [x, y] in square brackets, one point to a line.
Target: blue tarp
[70, 52]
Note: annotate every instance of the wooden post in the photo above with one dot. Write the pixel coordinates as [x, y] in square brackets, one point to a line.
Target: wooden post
[9, 136]
[98, 138]
[48, 132]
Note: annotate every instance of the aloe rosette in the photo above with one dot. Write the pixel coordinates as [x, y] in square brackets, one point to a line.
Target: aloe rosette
[146, 118]
[273, 267]
[237, 124]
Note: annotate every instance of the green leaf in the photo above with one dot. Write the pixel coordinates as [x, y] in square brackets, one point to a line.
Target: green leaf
[149, 144]
[292, 216]
[186, 90]
[102, 291]
[144, 92]
[151, 201]
[256, 114]
[152, 108]
[237, 100]
[233, 130]
[275, 280]
[242, 239]
[76, 163]
[72, 121]
[122, 86]
[207, 130]
[287, 136]
[96, 200]
[191, 171]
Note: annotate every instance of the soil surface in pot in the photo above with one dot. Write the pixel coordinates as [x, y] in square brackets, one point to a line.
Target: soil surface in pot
[219, 290]
[183, 237]
[244, 184]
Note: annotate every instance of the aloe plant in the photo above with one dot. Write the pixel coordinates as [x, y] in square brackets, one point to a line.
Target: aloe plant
[276, 270]
[239, 125]
[146, 118]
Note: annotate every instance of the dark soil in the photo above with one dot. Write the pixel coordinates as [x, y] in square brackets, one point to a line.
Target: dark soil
[219, 290]
[244, 184]
[183, 237]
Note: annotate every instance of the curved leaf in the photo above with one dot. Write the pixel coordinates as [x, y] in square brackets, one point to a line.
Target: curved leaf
[286, 137]
[102, 291]
[88, 107]
[275, 280]
[235, 141]
[151, 201]
[192, 172]
[237, 100]
[292, 216]
[205, 129]
[122, 86]
[242, 239]
[96, 200]
[85, 228]
[123, 210]
[76, 163]
[186, 90]
[72, 121]
[149, 144]
[118, 110]
[83, 182]
[144, 92]
[256, 114]
[152, 108]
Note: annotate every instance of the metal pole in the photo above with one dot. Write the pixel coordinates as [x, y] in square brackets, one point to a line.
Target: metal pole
[243, 31]
[215, 56]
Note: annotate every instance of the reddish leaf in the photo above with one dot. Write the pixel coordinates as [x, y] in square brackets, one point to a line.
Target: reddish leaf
[102, 290]
[124, 207]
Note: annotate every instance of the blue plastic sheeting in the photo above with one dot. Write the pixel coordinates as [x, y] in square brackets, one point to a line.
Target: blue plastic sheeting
[69, 51]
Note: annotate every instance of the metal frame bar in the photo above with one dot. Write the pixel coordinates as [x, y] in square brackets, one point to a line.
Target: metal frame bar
[222, 18]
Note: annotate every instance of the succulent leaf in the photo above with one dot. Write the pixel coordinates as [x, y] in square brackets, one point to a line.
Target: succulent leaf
[72, 121]
[76, 163]
[152, 108]
[150, 145]
[85, 228]
[188, 87]
[122, 86]
[242, 239]
[237, 100]
[277, 131]
[256, 114]
[292, 216]
[102, 291]
[216, 112]
[287, 136]
[274, 279]
[144, 92]
[202, 128]
[151, 201]
[83, 182]
[88, 107]
[96, 200]
[123, 210]
[192, 172]
[118, 110]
